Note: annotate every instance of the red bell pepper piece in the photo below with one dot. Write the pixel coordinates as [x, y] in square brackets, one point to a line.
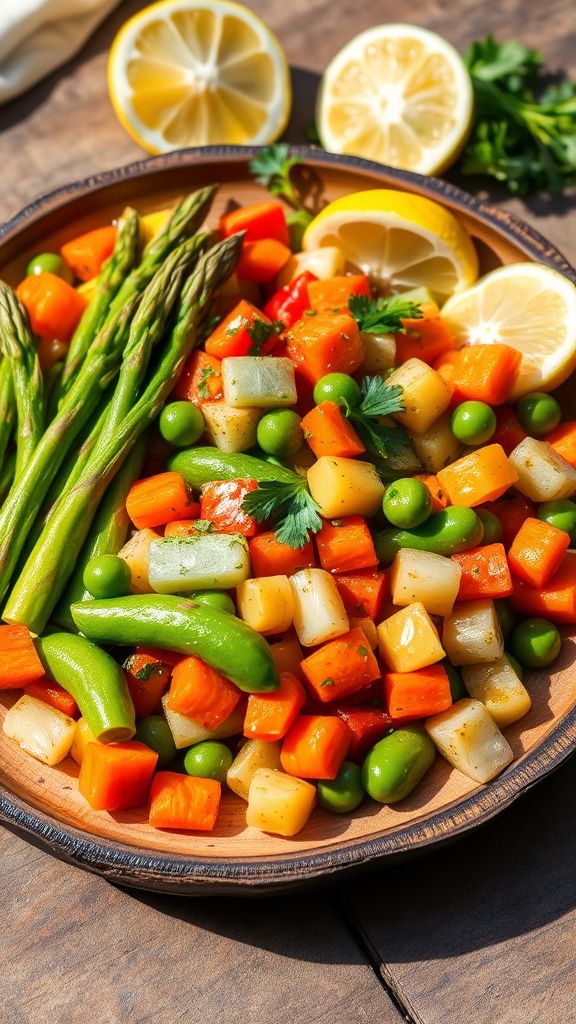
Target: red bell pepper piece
[290, 302]
[367, 725]
[221, 504]
[246, 331]
[259, 220]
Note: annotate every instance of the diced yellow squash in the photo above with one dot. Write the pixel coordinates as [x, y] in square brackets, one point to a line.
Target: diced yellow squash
[472, 634]
[266, 604]
[345, 487]
[319, 613]
[252, 756]
[279, 803]
[185, 731]
[324, 263]
[136, 552]
[470, 740]
[423, 576]
[82, 737]
[287, 655]
[41, 730]
[260, 382]
[500, 690]
[543, 474]
[368, 627]
[436, 447]
[151, 223]
[379, 352]
[408, 640]
[426, 395]
[229, 429]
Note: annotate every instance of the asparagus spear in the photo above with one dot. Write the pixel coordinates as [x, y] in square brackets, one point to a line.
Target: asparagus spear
[7, 475]
[54, 556]
[7, 407]
[18, 348]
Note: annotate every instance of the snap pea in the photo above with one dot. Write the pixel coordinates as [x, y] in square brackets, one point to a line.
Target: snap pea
[200, 466]
[448, 532]
[176, 624]
[396, 764]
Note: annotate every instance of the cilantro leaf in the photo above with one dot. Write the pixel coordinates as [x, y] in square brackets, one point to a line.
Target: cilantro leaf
[291, 506]
[383, 315]
[379, 399]
[272, 167]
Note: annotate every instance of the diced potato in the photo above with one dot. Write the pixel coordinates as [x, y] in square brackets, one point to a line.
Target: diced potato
[379, 352]
[230, 429]
[319, 613]
[287, 655]
[279, 803]
[254, 755]
[500, 690]
[208, 561]
[368, 627]
[136, 552]
[345, 487]
[324, 263]
[470, 740]
[423, 576]
[265, 382]
[408, 640]
[40, 729]
[151, 223]
[543, 474]
[472, 634]
[436, 447]
[185, 731]
[266, 604]
[82, 737]
[426, 395]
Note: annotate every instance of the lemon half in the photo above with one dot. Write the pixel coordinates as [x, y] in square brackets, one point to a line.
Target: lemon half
[184, 73]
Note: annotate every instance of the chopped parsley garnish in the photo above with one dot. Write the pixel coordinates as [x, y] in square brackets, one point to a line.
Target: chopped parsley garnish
[205, 373]
[383, 315]
[379, 399]
[290, 504]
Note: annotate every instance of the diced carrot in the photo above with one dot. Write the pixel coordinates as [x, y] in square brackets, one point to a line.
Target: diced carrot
[556, 601]
[184, 527]
[482, 475]
[221, 504]
[486, 373]
[325, 343]
[509, 431]
[332, 296]
[184, 802]
[159, 499]
[485, 573]
[563, 441]
[148, 674]
[367, 725]
[53, 306]
[340, 667]
[244, 332]
[362, 592]
[439, 499]
[200, 692]
[201, 379]
[346, 545]
[270, 715]
[328, 432]
[116, 776]
[54, 695]
[315, 747]
[86, 253]
[511, 514]
[411, 695]
[19, 662]
[270, 557]
[537, 552]
[259, 220]
[427, 339]
[262, 261]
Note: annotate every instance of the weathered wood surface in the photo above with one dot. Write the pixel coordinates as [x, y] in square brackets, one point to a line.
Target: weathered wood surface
[484, 931]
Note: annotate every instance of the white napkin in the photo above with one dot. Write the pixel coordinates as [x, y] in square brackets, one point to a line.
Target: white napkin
[37, 36]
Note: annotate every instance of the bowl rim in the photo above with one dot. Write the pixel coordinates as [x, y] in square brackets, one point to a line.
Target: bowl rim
[193, 874]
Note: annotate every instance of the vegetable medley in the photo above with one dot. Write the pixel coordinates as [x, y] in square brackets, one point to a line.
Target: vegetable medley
[263, 528]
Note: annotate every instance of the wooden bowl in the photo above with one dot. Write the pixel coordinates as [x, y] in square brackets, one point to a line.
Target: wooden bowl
[44, 804]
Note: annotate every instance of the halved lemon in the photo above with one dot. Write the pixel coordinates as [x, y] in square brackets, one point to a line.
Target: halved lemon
[398, 94]
[400, 240]
[184, 73]
[528, 306]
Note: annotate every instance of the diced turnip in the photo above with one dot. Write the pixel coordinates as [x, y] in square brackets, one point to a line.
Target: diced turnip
[185, 731]
[230, 429]
[543, 474]
[40, 729]
[252, 756]
[266, 604]
[205, 561]
[423, 576]
[319, 613]
[436, 447]
[500, 690]
[279, 803]
[470, 740]
[472, 634]
[263, 382]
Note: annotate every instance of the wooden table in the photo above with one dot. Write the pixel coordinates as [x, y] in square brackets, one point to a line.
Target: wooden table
[483, 932]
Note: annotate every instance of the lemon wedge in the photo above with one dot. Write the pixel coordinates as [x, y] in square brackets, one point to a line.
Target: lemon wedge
[398, 94]
[184, 73]
[400, 240]
[528, 306]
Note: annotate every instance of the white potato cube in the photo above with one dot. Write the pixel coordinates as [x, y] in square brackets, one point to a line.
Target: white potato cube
[207, 561]
[423, 576]
[253, 755]
[436, 447]
[543, 474]
[345, 487]
[230, 429]
[324, 263]
[319, 613]
[500, 690]
[41, 730]
[266, 604]
[185, 731]
[426, 395]
[408, 640]
[136, 553]
[379, 352]
[279, 803]
[470, 740]
[264, 382]
[472, 634]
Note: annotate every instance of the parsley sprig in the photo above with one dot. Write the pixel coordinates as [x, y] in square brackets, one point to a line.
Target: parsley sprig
[383, 315]
[272, 168]
[291, 506]
[379, 399]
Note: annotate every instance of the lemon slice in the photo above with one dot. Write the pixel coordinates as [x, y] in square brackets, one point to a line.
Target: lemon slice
[398, 94]
[400, 240]
[528, 306]
[184, 73]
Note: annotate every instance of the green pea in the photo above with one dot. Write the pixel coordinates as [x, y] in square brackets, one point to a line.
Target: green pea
[506, 616]
[344, 793]
[407, 503]
[536, 643]
[396, 764]
[448, 532]
[339, 388]
[181, 424]
[208, 760]
[492, 526]
[473, 423]
[279, 433]
[154, 731]
[107, 576]
[214, 599]
[515, 664]
[538, 413]
[457, 689]
[561, 514]
[50, 263]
